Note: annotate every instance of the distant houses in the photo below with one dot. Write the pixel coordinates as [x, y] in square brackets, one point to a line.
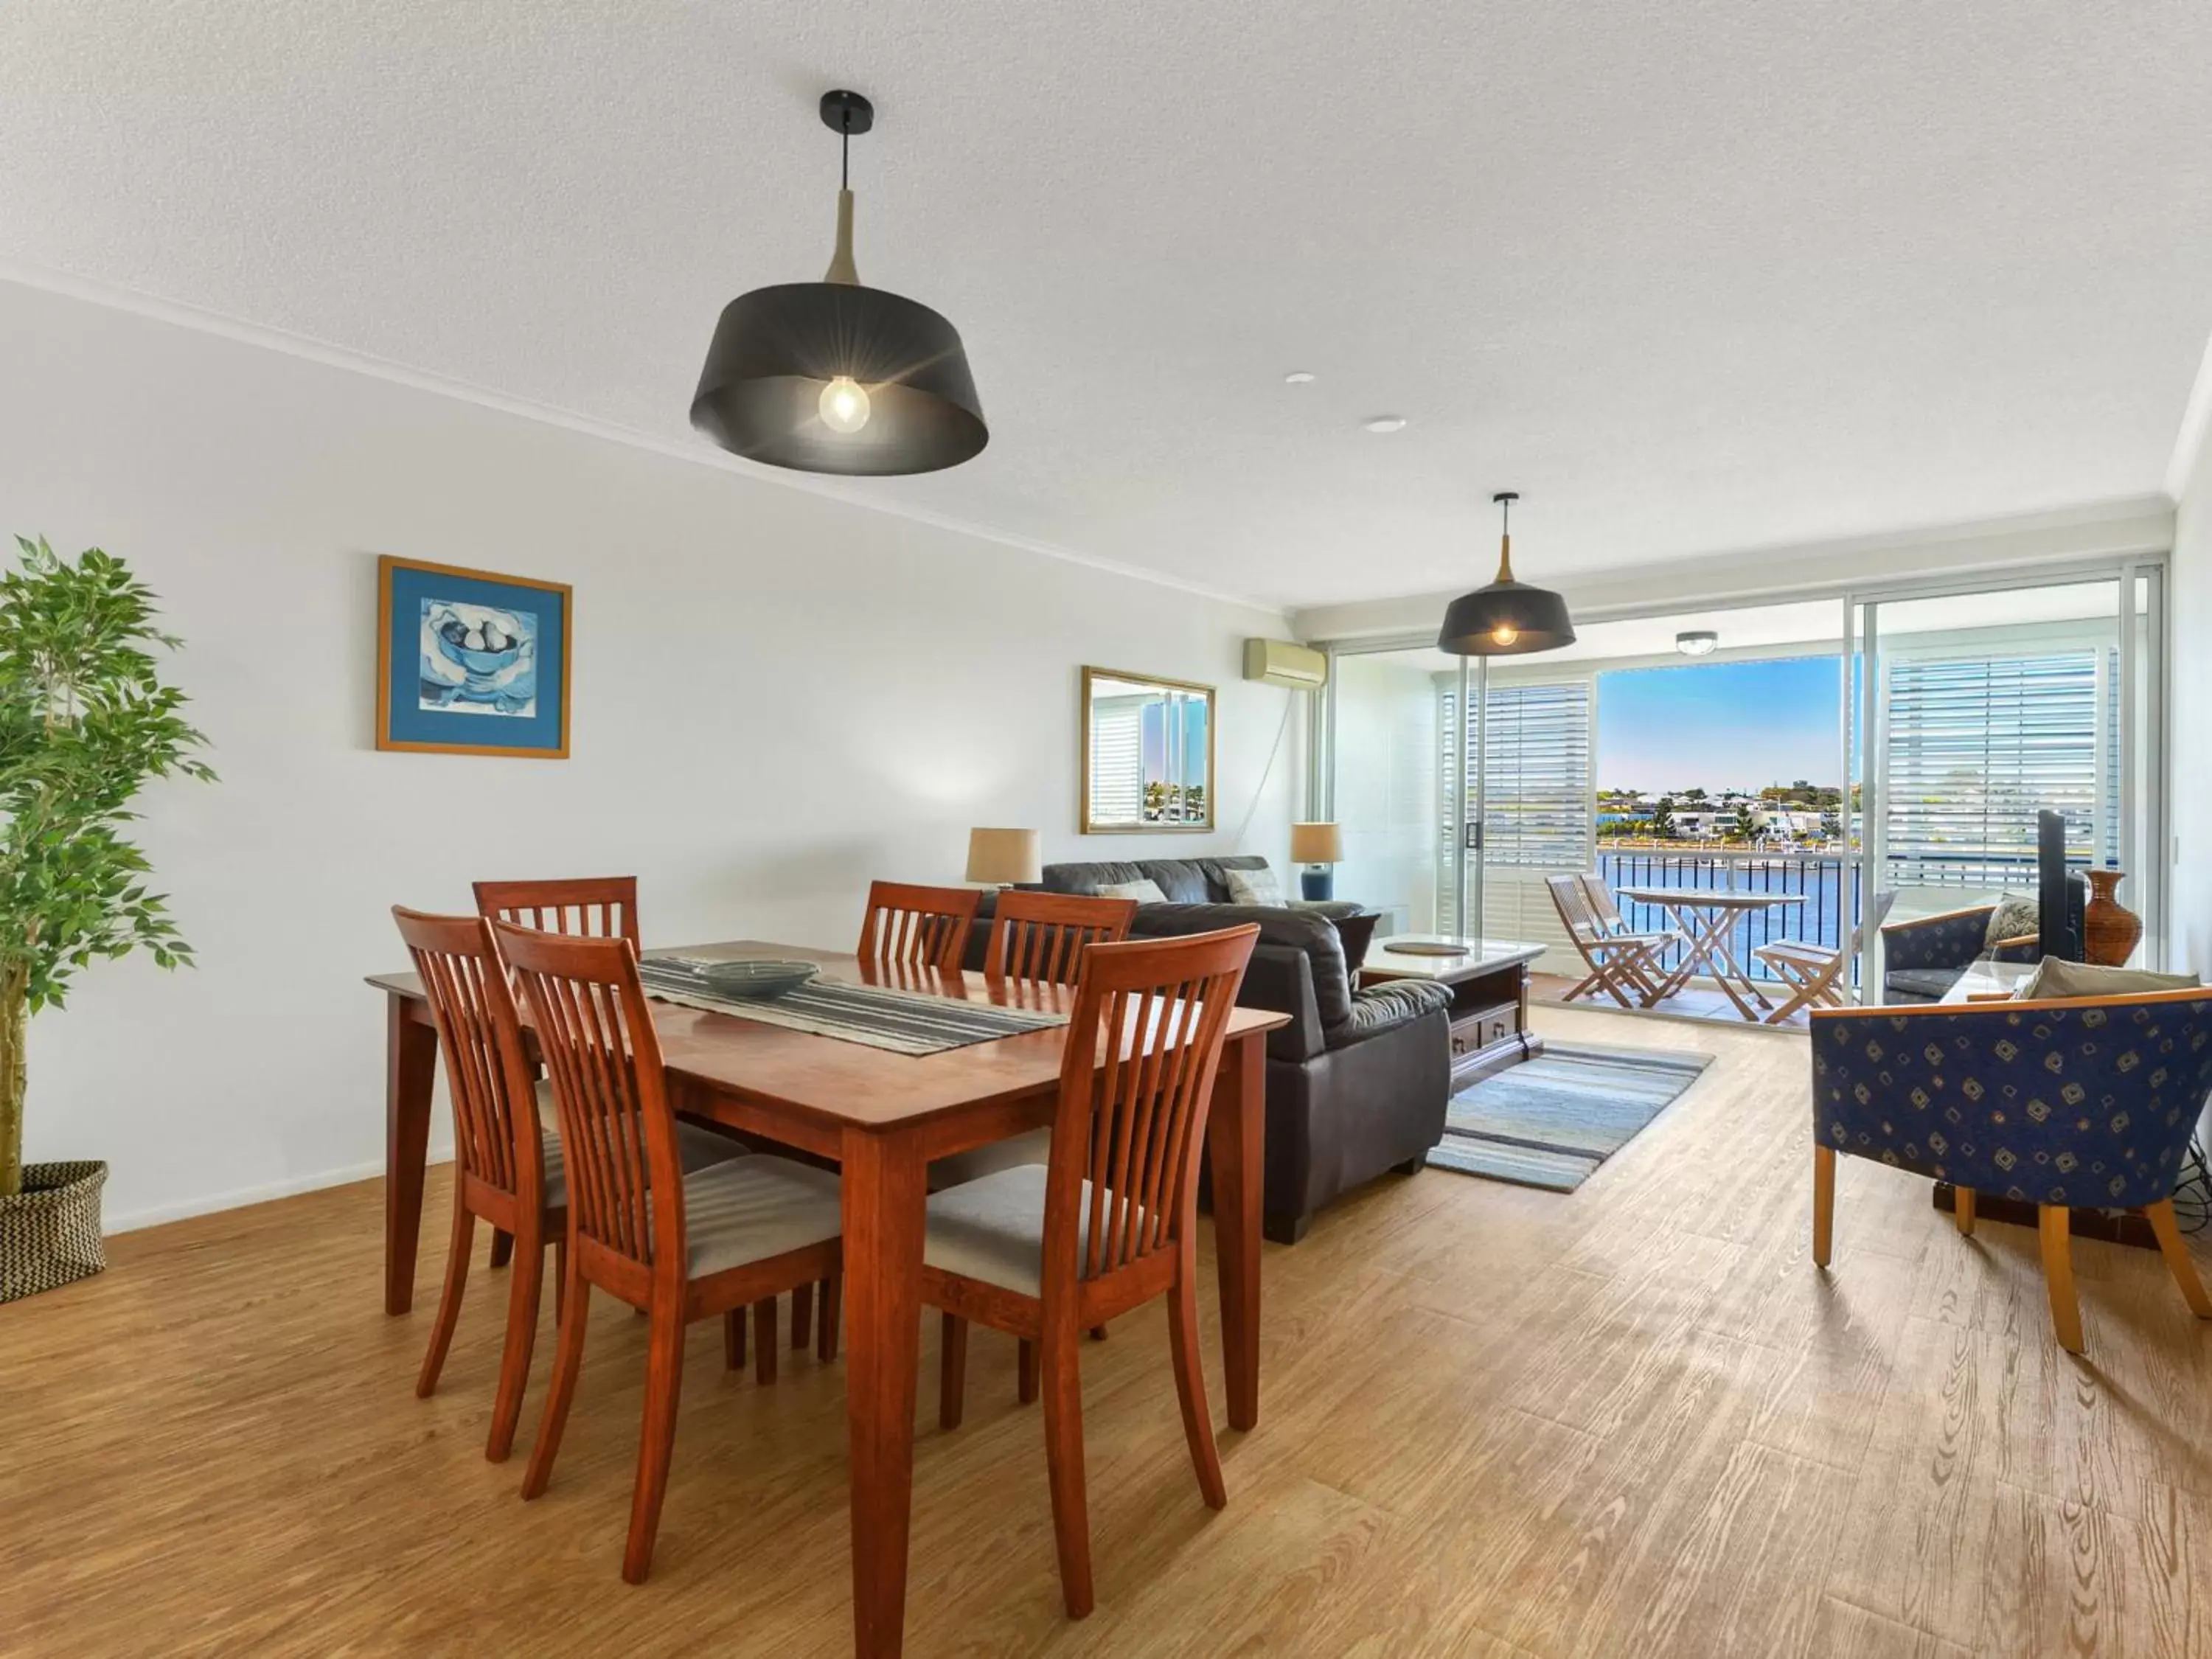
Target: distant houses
[1796, 815]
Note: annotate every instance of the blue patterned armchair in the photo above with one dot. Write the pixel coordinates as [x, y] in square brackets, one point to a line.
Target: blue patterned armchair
[2087, 1103]
[1923, 957]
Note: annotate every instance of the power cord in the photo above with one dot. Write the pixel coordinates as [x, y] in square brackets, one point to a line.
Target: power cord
[2192, 1195]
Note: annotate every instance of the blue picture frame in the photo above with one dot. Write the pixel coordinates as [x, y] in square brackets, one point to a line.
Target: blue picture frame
[471, 663]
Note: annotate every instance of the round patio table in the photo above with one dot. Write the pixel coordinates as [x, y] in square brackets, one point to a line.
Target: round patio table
[1707, 917]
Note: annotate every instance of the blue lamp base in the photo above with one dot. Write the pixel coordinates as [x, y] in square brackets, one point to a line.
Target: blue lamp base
[1318, 881]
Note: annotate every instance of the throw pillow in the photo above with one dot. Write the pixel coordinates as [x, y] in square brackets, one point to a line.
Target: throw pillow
[1144, 892]
[1254, 886]
[2013, 918]
[2056, 981]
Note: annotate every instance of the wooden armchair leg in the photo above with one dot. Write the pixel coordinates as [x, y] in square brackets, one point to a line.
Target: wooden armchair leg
[1962, 1208]
[733, 1339]
[1824, 1203]
[952, 1370]
[2056, 1222]
[764, 1340]
[825, 1334]
[802, 1317]
[2175, 1250]
[1025, 1372]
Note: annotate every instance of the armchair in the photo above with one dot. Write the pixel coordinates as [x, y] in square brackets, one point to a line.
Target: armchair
[1923, 957]
[2087, 1103]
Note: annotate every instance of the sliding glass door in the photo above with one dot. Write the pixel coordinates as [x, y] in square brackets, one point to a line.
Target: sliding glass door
[1973, 709]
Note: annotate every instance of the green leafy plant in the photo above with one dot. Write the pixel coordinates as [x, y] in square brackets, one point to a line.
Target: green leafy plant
[85, 721]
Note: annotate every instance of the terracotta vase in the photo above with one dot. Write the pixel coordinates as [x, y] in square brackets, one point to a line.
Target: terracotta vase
[2110, 930]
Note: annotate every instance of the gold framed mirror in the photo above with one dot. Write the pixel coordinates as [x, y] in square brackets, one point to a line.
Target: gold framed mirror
[1147, 754]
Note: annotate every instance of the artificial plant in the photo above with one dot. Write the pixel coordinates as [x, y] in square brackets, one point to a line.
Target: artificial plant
[85, 721]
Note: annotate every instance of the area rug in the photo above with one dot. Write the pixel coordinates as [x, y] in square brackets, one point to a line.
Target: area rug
[1550, 1122]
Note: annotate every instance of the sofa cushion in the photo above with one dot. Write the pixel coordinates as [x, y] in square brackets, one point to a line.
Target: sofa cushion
[2055, 980]
[1254, 887]
[2012, 917]
[1144, 889]
[1300, 930]
[1920, 984]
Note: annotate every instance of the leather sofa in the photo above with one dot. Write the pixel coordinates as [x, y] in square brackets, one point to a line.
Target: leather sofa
[1358, 1082]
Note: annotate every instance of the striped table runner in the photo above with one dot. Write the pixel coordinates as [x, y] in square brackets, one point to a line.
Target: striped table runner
[903, 1022]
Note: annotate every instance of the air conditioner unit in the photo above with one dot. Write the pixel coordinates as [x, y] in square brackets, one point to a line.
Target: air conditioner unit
[1278, 662]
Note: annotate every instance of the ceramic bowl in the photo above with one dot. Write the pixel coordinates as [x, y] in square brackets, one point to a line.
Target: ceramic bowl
[755, 979]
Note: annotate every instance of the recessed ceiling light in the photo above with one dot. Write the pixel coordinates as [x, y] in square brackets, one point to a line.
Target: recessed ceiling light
[1297, 377]
[1385, 423]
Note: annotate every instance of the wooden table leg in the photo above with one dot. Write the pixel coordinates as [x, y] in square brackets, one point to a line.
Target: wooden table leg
[1236, 1136]
[883, 1190]
[410, 1062]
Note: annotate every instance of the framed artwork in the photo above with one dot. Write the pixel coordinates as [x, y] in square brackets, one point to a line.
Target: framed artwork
[468, 663]
[1147, 754]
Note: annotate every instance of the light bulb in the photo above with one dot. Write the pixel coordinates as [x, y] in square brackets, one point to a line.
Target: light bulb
[1505, 633]
[844, 404]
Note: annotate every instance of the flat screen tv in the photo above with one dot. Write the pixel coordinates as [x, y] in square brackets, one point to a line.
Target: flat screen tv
[2054, 920]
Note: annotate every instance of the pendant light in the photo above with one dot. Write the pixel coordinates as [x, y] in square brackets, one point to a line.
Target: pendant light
[1507, 618]
[833, 377]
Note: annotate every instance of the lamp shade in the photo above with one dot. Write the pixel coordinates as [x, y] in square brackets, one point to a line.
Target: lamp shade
[1003, 857]
[1316, 843]
[776, 349]
[1506, 619]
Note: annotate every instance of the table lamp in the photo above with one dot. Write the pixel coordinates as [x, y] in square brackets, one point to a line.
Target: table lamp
[1319, 846]
[1000, 857]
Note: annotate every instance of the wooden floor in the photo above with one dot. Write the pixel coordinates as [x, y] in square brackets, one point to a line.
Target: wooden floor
[1631, 1420]
[1702, 1001]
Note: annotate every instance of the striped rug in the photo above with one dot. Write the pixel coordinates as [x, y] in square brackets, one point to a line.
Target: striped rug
[904, 1022]
[1550, 1121]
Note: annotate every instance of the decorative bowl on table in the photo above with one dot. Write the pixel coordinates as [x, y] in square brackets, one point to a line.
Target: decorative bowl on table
[755, 979]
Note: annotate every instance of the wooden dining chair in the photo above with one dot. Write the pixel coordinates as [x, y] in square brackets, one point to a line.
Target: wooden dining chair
[1625, 966]
[681, 1247]
[1111, 1222]
[911, 927]
[1041, 936]
[507, 1166]
[587, 906]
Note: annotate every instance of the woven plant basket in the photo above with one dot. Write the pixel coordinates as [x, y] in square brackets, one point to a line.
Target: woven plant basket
[50, 1231]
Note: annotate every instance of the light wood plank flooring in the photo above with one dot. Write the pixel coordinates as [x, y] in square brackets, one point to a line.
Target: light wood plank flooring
[1497, 1422]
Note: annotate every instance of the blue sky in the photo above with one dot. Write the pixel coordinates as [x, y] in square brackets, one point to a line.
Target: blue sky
[1724, 725]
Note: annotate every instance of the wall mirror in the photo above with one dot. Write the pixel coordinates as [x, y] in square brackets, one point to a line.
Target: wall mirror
[1147, 753]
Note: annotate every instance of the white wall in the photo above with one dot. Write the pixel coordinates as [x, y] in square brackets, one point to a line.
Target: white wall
[2191, 710]
[777, 695]
[1386, 785]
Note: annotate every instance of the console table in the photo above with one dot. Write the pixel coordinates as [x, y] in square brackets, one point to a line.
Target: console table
[1489, 981]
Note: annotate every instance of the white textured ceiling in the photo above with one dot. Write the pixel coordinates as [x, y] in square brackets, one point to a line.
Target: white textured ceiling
[1690, 276]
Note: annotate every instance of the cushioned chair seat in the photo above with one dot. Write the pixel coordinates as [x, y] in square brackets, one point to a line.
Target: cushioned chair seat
[994, 1230]
[749, 1209]
[1035, 1147]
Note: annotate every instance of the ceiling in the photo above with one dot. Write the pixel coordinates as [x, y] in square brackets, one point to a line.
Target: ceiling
[1692, 277]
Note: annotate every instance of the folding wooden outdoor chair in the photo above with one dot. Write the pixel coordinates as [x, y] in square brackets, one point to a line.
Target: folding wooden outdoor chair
[1817, 974]
[1624, 966]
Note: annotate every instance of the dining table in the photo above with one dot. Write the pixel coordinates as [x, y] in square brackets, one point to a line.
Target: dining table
[1708, 918]
[880, 1116]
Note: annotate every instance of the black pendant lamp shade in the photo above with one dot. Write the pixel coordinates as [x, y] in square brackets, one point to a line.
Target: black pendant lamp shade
[833, 377]
[1507, 618]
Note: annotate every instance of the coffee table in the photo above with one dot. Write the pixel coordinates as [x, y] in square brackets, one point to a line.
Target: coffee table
[1489, 981]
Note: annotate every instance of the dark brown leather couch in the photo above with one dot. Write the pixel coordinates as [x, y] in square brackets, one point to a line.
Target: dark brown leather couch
[1358, 1082]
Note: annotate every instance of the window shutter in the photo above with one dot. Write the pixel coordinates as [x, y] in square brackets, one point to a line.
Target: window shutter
[1976, 746]
[1536, 777]
[1117, 760]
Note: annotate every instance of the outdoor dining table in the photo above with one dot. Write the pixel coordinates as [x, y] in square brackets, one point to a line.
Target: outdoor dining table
[1707, 917]
[881, 1116]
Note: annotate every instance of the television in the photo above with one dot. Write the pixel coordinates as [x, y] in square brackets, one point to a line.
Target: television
[2054, 911]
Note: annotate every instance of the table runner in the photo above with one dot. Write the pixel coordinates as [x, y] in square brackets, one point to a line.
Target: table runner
[903, 1022]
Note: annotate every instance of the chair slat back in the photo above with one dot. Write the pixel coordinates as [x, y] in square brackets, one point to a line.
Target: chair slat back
[586, 907]
[496, 1128]
[1569, 899]
[1598, 892]
[602, 1055]
[1042, 936]
[908, 926]
[1133, 1126]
